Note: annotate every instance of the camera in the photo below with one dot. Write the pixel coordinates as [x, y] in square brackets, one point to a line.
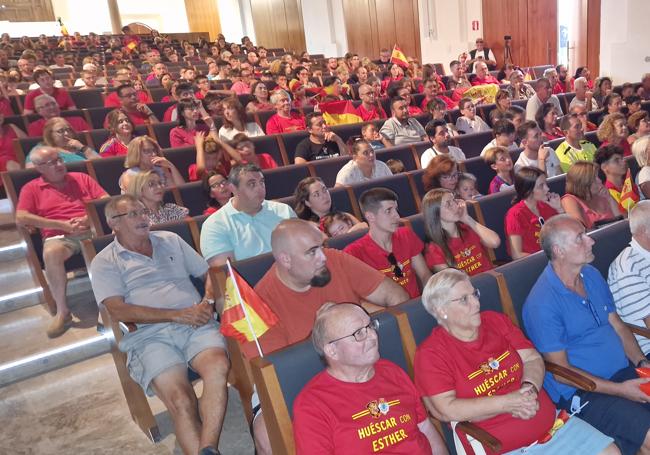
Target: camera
[507, 37]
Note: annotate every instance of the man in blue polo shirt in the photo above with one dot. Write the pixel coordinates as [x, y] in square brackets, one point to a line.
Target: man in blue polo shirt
[571, 317]
[242, 228]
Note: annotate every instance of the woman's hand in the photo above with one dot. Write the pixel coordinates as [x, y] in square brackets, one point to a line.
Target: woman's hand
[74, 144]
[521, 403]
[555, 201]
[199, 138]
[162, 162]
[462, 212]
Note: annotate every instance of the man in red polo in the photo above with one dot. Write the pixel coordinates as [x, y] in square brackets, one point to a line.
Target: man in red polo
[122, 76]
[54, 203]
[483, 76]
[139, 113]
[370, 108]
[43, 77]
[47, 107]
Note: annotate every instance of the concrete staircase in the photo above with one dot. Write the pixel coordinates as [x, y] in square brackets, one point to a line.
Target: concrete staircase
[26, 351]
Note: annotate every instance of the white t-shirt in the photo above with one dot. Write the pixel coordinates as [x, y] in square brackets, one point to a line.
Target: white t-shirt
[553, 167]
[252, 130]
[642, 177]
[350, 173]
[455, 154]
[493, 143]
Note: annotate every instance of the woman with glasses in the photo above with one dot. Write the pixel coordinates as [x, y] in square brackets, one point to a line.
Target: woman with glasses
[192, 119]
[58, 133]
[216, 191]
[150, 190]
[454, 238]
[359, 404]
[260, 93]
[313, 201]
[478, 366]
[144, 155]
[533, 204]
[441, 172]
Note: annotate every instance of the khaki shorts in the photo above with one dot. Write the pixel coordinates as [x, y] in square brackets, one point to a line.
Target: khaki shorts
[72, 242]
[155, 348]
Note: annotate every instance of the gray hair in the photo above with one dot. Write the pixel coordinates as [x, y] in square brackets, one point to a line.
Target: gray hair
[111, 208]
[319, 332]
[437, 289]
[552, 234]
[639, 217]
[549, 71]
[275, 97]
[37, 152]
[236, 172]
[580, 81]
[542, 82]
[640, 150]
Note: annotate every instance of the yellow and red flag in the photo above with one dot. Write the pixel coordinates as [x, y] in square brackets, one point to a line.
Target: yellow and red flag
[629, 196]
[245, 316]
[339, 112]
[398, 57]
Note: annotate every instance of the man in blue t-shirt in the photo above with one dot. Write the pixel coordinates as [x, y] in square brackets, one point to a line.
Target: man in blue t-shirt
[571, 317]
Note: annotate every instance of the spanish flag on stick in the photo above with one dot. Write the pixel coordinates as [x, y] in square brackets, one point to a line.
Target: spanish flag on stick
[339, 112]
[398, 57]
[245, 315]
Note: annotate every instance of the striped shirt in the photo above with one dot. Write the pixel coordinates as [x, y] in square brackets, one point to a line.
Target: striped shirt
[629, 281]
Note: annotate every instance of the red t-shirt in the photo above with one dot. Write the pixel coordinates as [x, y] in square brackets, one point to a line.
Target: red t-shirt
[113, 147]
[469, 253]
[266, 161]
[414, 110]
[112, 100]
[7, 152]
[167, 116]
[559, 88]
[489, 79]
[60, 95]
[624, 145]
[277, 124]
[40, 198]
[451, 104]
[374, 114]
[352, 281]
[406, 245]
[5, 107]
[380, 415]
[182, 137]
[521, 221]
[35, 128]
[484, 367]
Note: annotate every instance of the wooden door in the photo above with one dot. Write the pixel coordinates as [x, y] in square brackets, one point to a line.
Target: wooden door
[26, 11]
[203, 16]
[542, 32]
[278, 23]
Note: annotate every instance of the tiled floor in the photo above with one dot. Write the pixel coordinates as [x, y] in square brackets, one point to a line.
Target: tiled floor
[81, 410]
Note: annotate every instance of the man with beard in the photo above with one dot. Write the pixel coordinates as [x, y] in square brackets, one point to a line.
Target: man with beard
[306, 275]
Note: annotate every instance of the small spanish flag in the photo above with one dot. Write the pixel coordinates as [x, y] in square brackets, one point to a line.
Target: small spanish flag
[398, 57]
[530, 75]
[245, 316]
[629, 196]
[339, 112]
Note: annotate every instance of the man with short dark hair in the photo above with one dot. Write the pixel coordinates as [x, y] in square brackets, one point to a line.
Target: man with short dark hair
[139, 113]
[535, 153]
[562, 73]
[543, 94]
[143, 277]
[393, 250]
[438, 135]
[571, 318]
[54, 203]
[458, 78]
[575, 147]
[384, 59]
[242, 228]
[504, 136]
[322, 142]
[400, 128]
[43, 77]
[122, 76]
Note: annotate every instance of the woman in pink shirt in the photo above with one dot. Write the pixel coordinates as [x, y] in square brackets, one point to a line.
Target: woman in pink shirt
[189, 113]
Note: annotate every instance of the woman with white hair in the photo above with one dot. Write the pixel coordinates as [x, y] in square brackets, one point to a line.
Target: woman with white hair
[284, 120]
[641, 152]
[478, 366]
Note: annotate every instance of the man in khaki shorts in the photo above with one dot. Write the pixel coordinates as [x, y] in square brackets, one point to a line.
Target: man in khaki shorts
[143, 277]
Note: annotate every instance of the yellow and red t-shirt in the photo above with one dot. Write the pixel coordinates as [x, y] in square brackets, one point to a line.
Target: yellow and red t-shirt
[469, 254]
[521, 221]
[377, 416]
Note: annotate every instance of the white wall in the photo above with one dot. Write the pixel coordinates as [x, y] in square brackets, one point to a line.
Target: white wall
[236, 19]
[324, 26]
[624, 52]
[84, 16]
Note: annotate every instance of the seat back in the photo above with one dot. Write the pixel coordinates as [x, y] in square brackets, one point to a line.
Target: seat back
[87, 98]
[329, 168]
[341, 200]
[253, 269]
[193, 197]
[270, 145]
[282, 181]
[290, 141]
[491, 211]
[161, 131]
[418, 183]
[472, 144]
[404, 153]
[182, 158]
[347, 130]
[399, 184]
[97, 115]
[417, 225]
[159, 108]
[609, 240]
[341, 241]
[108, 172]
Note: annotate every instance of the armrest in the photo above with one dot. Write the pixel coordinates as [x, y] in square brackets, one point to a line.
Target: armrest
[480, 435]
[577, 379]
[638, 330]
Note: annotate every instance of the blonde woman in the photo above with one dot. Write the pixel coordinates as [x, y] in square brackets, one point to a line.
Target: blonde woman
[144, 155]
[150, 190]
[58, 133]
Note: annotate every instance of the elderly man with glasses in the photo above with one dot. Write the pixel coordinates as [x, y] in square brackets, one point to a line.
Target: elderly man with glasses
[47, 107]
[143, 277]
[54, 203]
[139, 113]
[359, 403]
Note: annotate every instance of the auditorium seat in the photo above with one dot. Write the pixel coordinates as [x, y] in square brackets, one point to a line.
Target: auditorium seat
[161, 132]
[87, 98]
[182, 158]
[472, 144]
[341, 241]
[327, 169]
[107, 172]
[193, 197]
[282, 181]
[289, 142]
[405, 153]
[270, 144]
[159, 108]
[96, 115]
[491, 211]
[399, 184]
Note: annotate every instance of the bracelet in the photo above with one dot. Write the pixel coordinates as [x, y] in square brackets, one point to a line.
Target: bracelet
[531, 383]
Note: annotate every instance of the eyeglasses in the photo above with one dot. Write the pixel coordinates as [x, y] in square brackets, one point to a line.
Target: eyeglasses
[451, 176]
[541, 221]
[52, 162]
[63, 130]
[155, 184]
[397, 268]
[129, 95]
[464, 299]
[220, 184]
[451, 203]
[149, 152]
[133, 214]
[361, 334]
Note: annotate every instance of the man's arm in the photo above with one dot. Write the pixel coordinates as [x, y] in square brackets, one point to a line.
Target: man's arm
[627, 389]
[24, 218]
[388, 136]
[195, 315]
[630, 345]
[220, 259]
[421, 270]
[388, 293]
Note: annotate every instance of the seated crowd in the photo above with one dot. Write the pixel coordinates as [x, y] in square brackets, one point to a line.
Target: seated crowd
[226, 97]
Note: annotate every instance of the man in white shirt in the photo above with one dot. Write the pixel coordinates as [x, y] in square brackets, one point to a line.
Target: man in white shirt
[584, 96]
[504, 136]
[536, 153]
[482, 53]
[438, 135]
[543, 94]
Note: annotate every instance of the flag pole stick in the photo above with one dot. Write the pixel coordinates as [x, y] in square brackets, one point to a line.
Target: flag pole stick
[241, 302]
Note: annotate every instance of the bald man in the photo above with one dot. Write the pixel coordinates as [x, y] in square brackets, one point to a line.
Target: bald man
[306, 275]
[346, 337]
